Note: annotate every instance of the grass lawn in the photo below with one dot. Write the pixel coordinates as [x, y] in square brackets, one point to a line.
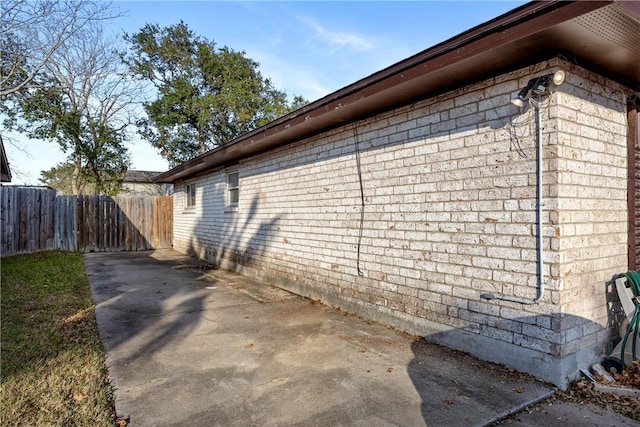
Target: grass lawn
[52, 361]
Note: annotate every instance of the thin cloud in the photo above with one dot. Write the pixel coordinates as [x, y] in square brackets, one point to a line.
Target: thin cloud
[339, 39]
[298, 79]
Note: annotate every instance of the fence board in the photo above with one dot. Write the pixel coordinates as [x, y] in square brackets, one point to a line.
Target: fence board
[121, 230]
[35, 219]
[22, 221]
[47, 229]
[80, 226]
[78, 223]
[132, 212]
[163, 221]
[101, 224]
[7, 220]
[64, 218]
[109, 241]
[98, 224]
[91, 218]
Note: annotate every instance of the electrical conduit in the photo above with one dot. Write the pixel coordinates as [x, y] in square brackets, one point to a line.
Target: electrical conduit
[539, 242]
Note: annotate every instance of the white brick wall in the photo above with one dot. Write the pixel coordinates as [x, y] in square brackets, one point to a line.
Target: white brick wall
[449, 188]
[590, 234]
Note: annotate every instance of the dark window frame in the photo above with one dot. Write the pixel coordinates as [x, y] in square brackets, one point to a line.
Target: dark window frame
[190, 194]
[233, 187]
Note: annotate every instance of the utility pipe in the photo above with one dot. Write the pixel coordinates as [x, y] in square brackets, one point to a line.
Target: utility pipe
[539, 242]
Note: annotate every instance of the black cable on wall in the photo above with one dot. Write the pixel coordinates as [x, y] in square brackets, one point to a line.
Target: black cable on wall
[362, 205]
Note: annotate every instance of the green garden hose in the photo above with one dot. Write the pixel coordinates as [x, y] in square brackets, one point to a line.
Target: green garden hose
[633, 277]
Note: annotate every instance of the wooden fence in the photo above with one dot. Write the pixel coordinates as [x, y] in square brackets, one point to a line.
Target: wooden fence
[35, 219]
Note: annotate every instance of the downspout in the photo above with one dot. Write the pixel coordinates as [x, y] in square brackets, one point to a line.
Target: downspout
[539, 241]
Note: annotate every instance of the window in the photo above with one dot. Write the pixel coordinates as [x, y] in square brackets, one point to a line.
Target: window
[233, 187]
[191, 195]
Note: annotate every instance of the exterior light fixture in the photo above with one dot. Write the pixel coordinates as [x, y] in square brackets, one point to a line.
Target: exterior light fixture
[538, 85]
[518, 101]
[558, 77]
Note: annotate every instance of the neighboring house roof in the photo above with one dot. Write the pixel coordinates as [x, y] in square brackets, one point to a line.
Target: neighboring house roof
[601, 35]
[5, 170]
[140, 176]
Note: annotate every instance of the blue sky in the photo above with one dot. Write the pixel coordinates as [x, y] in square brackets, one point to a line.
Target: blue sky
[306, 48]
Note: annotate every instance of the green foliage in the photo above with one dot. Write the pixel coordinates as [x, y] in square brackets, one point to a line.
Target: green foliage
[93, 144]
[79, 100]
[205, 96]
[59, 178]
[106, 157]
[14, 68]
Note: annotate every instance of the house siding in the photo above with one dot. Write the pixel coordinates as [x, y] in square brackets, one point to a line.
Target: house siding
[449, 194]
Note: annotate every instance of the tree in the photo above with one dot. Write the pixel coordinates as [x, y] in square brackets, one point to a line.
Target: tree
[81, 100]
[32, 31]
[205, 96]
[59, 178]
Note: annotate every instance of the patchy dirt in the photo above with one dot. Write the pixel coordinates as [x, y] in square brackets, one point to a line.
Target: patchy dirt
[78, 327]
[122, 421]
[195, 266]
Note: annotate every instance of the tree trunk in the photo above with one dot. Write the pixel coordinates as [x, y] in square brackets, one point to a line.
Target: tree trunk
[75, 176]
[201, 140]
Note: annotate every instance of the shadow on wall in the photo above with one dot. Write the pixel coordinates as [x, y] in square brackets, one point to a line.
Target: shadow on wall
[242, 239]
[501, 115]
[551, 347]
[453, 375]
[157, 300]
[241, 242]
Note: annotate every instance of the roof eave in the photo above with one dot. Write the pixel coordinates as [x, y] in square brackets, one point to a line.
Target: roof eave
[5, 170]
[495, 46]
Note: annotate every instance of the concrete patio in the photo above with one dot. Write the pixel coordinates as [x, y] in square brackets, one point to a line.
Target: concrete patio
[189, 345]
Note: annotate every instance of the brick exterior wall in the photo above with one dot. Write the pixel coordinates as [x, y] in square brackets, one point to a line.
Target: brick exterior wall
[634, 129]
[590, 235]
[637, 200]
[449, 188]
